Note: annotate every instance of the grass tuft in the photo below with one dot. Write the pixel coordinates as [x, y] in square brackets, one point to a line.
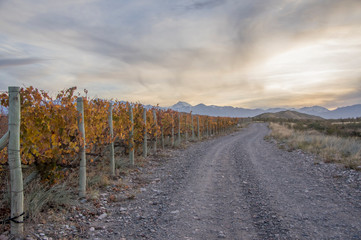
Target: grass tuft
[39, 197]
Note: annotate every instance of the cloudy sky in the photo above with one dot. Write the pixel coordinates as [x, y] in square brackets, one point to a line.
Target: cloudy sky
[249, 53]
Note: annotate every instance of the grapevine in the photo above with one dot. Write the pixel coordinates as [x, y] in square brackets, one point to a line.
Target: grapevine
[50, 138]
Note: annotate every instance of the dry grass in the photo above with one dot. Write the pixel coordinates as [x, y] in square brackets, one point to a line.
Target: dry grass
[346, 151]
[38, 198]
[44, 203]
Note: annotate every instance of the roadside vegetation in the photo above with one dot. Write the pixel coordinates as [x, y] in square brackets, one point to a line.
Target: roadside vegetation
[337, 141]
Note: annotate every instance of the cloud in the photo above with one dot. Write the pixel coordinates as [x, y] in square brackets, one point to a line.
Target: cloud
[18, 62]
[264, 28]
[201, 5]
[241, 53]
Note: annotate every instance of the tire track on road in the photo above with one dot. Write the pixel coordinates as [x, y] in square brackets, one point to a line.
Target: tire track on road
[241, 187]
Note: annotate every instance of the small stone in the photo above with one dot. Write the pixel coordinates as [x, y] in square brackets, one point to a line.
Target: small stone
[3, 237]
[92, 229]
[122, 210]
[104, 215]
[175, 212]
[221, 234]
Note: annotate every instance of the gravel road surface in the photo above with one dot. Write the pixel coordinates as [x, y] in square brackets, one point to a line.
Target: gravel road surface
[240, 187]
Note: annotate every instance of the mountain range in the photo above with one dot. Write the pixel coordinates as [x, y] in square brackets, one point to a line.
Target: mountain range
[228, 111]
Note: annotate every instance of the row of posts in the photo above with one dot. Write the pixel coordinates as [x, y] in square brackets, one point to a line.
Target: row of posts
[82, 153]
[13, 138]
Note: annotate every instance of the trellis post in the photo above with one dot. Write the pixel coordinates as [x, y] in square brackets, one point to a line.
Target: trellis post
[111, 132]
[186, 127]
[16, 175]
[172, 131]
[131, 136]
[192, 126]
[155, 134]
[179, 129]
[198, 130]
[162, 137]
[82, 154]
[145, 137]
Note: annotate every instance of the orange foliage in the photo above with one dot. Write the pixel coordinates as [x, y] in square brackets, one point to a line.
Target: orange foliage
[50, 138]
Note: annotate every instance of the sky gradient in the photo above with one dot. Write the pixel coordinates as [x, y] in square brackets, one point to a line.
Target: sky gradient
[249, 53]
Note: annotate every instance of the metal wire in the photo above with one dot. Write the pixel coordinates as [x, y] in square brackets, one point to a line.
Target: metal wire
[13, 219]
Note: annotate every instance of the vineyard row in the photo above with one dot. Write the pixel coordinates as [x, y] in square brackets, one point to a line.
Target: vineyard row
[59, 133]
[51, 139]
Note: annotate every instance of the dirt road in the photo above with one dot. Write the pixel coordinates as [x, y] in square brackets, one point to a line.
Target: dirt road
[242, 187]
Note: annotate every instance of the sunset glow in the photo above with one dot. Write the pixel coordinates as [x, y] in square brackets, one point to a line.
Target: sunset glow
[252, 54]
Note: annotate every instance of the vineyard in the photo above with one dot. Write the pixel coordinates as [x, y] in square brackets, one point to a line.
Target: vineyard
[65, 133]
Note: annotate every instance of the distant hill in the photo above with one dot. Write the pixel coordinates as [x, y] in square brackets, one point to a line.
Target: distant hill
[288, 114]
[315, 110]
[228, 111]
[344, 112]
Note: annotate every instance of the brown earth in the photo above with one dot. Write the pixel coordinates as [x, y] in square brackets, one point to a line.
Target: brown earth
[232, 187]
[241, 187]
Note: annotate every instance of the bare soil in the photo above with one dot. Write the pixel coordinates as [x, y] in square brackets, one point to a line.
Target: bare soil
[234, 187]
[240, 187]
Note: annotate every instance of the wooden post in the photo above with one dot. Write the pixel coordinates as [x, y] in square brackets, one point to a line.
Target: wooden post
[179, 129]
[204, 132]
[145, 137]
[82, 155]
[16, 175]
[172, 131]
[207, 127]
[162, 137]
[155, 134]
[186, 127]
[192, 126]
[131, 136]
[198, 129]
[111, 132]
